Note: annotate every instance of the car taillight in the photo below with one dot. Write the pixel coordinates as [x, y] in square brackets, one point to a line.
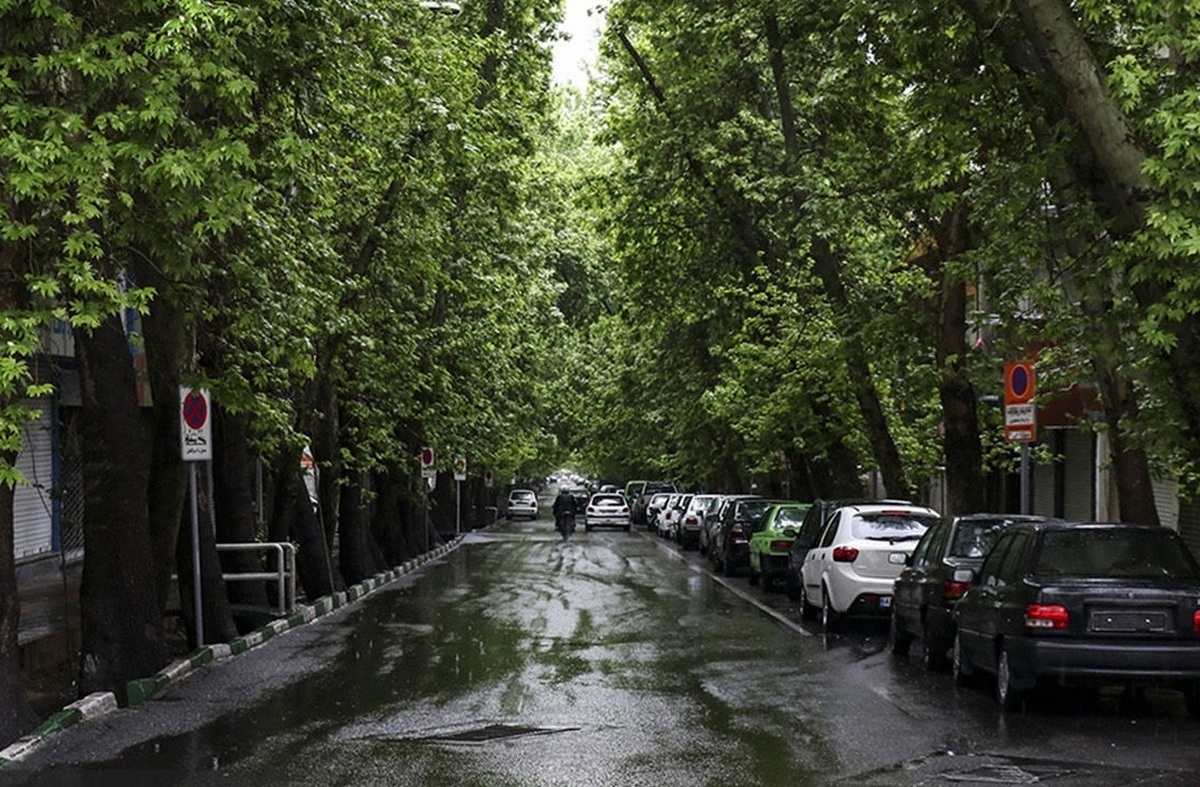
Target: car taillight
[624, 509]
[1196, 622]
[952, 591]
[737, 532]
[1046, 616]
[845, 554]
[691, 520]
[781, 546]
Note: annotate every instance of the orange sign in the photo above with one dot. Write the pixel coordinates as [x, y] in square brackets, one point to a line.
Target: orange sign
[1020, 413]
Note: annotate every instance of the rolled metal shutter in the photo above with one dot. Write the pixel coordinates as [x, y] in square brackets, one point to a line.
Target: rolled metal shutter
[33, 512]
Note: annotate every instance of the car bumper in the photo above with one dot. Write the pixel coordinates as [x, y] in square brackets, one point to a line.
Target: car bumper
[607, 521]
[1105, 659]
[689, 535]
[860, 596]
[738, 554]
[773, 565]
[529, 512]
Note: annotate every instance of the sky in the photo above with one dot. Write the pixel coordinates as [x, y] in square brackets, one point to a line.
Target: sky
[572, 58]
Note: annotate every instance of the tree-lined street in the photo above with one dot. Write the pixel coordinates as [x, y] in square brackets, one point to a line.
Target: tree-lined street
[614, 659]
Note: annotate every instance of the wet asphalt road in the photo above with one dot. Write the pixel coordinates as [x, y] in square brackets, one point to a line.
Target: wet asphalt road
[616, 659]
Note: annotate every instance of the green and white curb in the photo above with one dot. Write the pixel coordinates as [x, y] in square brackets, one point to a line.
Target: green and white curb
[143, 690]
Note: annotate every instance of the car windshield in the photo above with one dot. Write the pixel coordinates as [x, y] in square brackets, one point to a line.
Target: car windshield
[975, 537]
[754, 509]
[1118, 552]
[890, 525]
[608, 500]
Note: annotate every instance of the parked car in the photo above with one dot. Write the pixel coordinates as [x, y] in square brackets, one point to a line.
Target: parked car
[863, 548]
[522, 503]
[1082, 602]
[654, 507]
[638, 504]
[691, 521]
[810, 533]
[633, 490]
[712, 520]
[607, 510]
[672, 512]
[926, 591]
[771, 542]
[740, 517]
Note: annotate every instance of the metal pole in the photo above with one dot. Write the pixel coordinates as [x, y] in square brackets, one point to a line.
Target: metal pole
[1025, 478]
[197, 605]
[457, 506]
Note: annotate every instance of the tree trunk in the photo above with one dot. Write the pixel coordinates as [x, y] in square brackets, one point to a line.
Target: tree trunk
[214, 604]
[962, 446]
[387, 523]
[355, 556]
[16, 716]
[296, 520]
[887, 456]
[168, 345]
[122, 632]
[236, 518]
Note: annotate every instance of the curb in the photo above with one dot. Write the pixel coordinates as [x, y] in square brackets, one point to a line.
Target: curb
[142, 690]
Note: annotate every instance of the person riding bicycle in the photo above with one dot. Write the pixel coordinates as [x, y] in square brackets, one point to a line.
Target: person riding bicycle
[564, 513]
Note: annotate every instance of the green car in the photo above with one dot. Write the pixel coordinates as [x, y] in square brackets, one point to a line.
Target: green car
[771, 542]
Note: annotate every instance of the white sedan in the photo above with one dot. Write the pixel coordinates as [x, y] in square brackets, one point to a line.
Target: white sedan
[522, 502]
[861, 551]
[607, 510]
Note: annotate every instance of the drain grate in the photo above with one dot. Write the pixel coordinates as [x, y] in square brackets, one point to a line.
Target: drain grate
[493, 732]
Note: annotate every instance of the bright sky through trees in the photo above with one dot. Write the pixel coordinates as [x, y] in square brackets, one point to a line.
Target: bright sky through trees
[573, 57]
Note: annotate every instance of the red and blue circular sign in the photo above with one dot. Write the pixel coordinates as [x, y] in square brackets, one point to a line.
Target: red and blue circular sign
[195, 410]
[1019, 383]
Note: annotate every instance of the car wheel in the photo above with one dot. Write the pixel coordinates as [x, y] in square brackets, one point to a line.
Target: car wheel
[753, 575]
[935, 650]
[960, 666]
[901, 639]
[1008, 694]
[829, 616]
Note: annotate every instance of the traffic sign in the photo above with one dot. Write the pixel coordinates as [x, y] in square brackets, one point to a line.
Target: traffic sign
[195, 425]
[1020, 413]
[1020, 384]
[489, 478]
[460, 468]
[427, 468]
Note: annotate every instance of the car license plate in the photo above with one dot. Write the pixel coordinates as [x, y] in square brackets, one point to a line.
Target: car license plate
[885, 602]
[897, 558]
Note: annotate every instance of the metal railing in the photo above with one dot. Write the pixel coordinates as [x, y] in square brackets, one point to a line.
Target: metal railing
[284, 575]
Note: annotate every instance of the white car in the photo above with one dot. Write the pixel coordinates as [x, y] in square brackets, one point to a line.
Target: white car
[607, 510]
[522, 503]
[691, 521]
[672, 512]
[861, 551]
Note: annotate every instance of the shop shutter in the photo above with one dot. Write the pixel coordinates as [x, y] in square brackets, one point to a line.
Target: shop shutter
[33, 517]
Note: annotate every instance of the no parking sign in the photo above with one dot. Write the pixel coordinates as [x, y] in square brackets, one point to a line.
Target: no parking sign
[195, 425]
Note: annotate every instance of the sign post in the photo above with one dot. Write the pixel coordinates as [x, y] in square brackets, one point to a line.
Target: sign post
[460, 475]
[195, 443]
[1020, 416]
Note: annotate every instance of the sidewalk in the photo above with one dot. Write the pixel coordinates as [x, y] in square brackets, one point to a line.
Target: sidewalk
[48, 635]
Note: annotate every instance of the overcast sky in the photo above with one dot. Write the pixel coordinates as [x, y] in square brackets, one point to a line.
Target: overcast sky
[572, 58]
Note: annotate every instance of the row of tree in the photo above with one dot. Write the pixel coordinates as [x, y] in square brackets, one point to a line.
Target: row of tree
[833, 223]
[334, 215]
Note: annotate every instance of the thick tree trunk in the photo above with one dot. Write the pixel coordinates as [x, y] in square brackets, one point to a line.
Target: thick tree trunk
[122, 632]
[16, 716]
[296, 520]
[356, 558]
[962, 446]
[236, 517]
[883, 447]
[387, 521]
[214, 604]
[168, 347]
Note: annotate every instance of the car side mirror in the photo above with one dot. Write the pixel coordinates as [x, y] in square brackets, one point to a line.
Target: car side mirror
[964, 575]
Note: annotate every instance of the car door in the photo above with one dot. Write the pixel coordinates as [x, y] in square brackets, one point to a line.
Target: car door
[817, 558]
[912, 591]
[978, 606]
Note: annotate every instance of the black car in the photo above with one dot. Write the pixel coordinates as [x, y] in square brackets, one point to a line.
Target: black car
[1082, 603]
[740, 518]
[926, 591]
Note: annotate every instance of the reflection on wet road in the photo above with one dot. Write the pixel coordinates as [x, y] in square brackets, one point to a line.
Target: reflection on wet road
[613, 659]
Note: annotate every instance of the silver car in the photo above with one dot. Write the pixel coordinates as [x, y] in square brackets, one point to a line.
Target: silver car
[607, 509]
